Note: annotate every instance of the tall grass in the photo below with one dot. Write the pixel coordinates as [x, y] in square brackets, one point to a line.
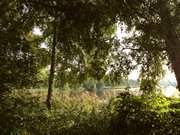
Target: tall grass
[83, 113]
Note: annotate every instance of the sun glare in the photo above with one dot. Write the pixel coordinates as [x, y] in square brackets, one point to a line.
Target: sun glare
[37, 31]
[171, 92]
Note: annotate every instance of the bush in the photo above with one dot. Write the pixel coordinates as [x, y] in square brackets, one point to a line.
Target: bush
[80, 113]
[147, 115]
[23, 113]
[89, 85]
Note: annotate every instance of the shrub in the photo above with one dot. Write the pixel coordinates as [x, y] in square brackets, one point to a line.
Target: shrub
[89, 85]
[23, 113]
[80, 113]
[148, 115]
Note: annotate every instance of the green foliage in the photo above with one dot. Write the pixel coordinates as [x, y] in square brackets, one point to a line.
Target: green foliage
[78, 113]
[80, 34]
[155, 35]
[18, 56]
[19, 112]
[149, 114]
[90, 85]
[86, 47]
[73, 113]
[151, 71]
[42, 77]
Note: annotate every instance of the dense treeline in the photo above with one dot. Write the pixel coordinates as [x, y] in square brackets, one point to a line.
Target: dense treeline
[79, 37]
[77, 45]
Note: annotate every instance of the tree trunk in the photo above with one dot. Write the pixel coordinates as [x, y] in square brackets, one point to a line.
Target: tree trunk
[171, 37]
[52, 69]
[173, 49]
[176, 67]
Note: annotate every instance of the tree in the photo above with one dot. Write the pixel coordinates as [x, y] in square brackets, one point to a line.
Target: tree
[52, 67]
[78, 36]
[18, 55]
[157, 23]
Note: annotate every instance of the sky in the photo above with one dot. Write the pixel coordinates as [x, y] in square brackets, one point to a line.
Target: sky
[37, 31]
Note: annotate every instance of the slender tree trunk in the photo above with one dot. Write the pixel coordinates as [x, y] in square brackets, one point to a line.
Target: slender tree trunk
[52, 69]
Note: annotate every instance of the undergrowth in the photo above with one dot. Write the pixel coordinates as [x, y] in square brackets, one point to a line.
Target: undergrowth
[25, 113]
